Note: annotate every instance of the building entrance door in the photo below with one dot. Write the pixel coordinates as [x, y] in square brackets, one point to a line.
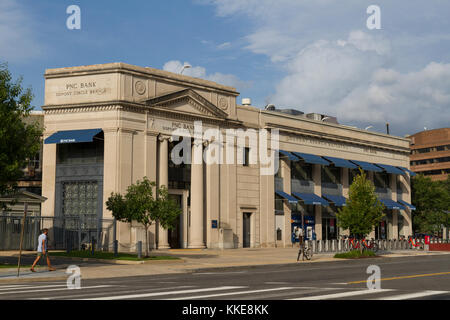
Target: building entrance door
[175, 234]
[246, 229]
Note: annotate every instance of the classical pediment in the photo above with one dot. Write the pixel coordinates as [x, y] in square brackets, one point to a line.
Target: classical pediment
[186, 101]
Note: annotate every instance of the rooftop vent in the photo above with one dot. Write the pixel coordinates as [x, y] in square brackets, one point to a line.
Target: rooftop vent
[270, 107]
[246, 101]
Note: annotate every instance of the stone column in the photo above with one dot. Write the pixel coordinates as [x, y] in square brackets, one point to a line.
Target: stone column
[196, 220]
[317, 178]
[163, 234]
[345, 190]
[286, 175]
[395, 213]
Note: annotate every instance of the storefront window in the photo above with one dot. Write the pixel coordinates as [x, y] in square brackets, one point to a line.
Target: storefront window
[331, 174]
[279, 209]
[381, 180]
[352, 173]
[301, 170]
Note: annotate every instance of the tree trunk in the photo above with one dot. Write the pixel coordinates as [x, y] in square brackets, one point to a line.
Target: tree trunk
[147, 244]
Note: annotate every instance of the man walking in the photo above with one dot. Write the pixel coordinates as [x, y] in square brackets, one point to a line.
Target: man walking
[42, 251]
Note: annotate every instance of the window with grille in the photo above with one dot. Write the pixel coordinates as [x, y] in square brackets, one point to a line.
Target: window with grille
[80, 202]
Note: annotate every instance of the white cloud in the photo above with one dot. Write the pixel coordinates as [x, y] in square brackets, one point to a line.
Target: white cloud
[224, 45]
[355, 75]
[176, 66]
[17, 38]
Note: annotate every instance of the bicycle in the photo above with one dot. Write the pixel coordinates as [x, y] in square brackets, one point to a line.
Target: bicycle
[370, 245]
[307, 252]
[415, 245]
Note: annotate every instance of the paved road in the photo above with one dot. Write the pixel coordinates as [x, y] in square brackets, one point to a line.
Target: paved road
[420, 277]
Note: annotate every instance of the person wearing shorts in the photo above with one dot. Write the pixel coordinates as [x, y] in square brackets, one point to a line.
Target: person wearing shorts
[42, 251]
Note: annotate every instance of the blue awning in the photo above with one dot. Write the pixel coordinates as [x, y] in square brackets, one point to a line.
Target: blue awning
[311, 198]
[390, 169]
[286, 196]
[391, 204]
[338, 162]
[73, 136]
[289, 155]
[311, 158]
[411, 173]
[407, 204]
[367, 166]
[339, 201]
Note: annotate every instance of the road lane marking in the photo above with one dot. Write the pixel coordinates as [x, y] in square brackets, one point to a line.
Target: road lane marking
[413, 295]
[405, 277]
[47, 290]
[343, 294]
[233, 293]
[155, 294]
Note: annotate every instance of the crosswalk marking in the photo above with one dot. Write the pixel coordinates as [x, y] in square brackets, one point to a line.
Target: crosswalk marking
[32, 287]
[343, 294]
[233, 293]
[155, 294]
[47, 290]
[74, 297]
[413, 295]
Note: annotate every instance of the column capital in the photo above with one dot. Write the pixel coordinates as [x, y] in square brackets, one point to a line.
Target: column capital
[163, 137]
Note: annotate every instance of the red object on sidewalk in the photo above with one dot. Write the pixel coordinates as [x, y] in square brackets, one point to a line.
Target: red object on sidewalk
[427, 239]
[440, 247]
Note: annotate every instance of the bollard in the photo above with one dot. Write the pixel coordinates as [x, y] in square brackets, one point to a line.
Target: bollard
[139, 249]
[69, 245]
[92, 246]
[116, 247]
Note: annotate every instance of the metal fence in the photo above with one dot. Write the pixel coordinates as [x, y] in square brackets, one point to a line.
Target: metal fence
[324, 246]
[64, 233]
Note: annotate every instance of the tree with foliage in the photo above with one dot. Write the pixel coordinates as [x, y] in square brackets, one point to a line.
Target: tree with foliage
[141, 206]
[363, 210]
[432, 202]
[18, 141]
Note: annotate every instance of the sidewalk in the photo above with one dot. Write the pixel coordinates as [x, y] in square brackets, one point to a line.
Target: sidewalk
[193, 260]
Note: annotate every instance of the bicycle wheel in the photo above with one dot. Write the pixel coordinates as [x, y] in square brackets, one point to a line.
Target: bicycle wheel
[308, 253]
[374, 247]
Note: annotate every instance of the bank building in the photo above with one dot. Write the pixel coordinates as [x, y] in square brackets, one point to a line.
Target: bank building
[109, 125]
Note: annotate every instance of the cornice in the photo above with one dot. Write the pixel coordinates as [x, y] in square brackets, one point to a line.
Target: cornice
[296, 132]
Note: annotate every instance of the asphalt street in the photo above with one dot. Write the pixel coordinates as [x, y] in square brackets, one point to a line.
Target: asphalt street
[414, 277]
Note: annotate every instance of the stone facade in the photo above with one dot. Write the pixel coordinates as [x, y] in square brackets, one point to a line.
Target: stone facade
[138, 109]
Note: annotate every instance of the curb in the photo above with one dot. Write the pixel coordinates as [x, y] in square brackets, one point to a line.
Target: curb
[123, 262]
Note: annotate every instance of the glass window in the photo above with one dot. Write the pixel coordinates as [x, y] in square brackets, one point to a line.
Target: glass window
[381, 180]
[331, 174]
[80, 199]
[352, 173]
[80, 153]
[279, 204]
[301, 170]
[246, 157]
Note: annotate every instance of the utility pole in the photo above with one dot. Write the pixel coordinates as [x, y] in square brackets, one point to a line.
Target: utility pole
[21, 236]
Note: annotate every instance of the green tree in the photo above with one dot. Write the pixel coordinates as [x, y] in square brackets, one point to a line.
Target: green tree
[140, 205]
[18, 141]
[363, 210]
[432, 202]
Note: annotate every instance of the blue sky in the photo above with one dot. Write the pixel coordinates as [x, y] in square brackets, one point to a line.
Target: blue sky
[315, 56]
